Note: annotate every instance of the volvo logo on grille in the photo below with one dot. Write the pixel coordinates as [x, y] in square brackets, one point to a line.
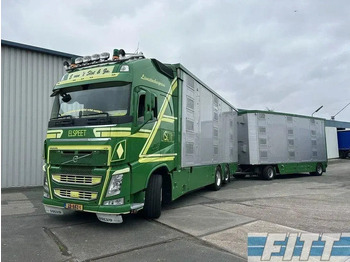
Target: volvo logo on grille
[76, 158]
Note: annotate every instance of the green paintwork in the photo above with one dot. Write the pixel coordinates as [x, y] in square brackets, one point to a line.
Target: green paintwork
[102, 150]
[293, 168]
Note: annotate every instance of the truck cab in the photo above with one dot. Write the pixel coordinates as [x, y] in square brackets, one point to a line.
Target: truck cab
[112, 126]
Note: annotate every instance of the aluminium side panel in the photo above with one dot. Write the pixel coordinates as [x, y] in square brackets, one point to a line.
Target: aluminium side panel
[268, 138]
[247, 139]
[209, 133]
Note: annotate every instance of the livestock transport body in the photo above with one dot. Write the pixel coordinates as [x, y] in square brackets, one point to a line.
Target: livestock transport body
[129, 133]
[272, 142]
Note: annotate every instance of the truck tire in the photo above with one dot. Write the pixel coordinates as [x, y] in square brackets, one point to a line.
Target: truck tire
[218, 180]
[153, 197]
[319, 170]
[227, 175]
[268, 173]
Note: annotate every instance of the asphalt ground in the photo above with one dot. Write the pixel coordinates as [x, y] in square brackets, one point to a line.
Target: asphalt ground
[201, 226]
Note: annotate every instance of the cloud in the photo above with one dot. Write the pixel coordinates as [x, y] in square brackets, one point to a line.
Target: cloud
[291, 56]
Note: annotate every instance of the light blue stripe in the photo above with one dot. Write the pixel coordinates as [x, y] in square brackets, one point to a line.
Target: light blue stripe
[256, 241]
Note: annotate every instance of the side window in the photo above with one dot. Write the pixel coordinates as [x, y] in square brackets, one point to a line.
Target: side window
[141, 108]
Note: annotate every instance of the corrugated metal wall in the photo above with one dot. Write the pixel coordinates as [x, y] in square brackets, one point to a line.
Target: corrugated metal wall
[27, 79]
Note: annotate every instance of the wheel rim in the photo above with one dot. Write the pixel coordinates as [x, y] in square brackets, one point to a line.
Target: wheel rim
[319, 169]
[270, 172]
[226, 174]
[218, 178]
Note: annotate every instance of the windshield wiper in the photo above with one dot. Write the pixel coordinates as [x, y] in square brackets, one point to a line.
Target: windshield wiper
[96, 119]
[64, 120]
[60, 117]
[96, 114]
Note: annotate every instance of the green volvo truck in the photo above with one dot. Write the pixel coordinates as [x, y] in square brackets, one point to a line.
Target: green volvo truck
[128, 133]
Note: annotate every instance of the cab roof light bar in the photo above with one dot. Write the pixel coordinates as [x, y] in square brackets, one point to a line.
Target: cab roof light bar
[119, 55]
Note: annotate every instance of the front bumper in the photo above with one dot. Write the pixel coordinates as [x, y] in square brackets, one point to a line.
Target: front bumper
[117, 210]
[104, 217]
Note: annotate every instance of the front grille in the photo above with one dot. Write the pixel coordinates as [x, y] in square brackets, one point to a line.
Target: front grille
[75, 194]
[77, 179]
[77, 170]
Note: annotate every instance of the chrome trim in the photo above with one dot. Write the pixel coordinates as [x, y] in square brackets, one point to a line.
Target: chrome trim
[76, 198]
[136, 206]
[76, 183]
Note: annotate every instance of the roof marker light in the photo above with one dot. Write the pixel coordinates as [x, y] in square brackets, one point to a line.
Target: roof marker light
[79, 60]
[104, 56]
[121, 53]
[86, 59]
[95, 57]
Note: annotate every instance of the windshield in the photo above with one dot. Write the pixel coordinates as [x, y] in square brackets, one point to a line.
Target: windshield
[76, 106]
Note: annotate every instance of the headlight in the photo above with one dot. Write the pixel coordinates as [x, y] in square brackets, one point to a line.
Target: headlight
[46, 185]
[115, 185]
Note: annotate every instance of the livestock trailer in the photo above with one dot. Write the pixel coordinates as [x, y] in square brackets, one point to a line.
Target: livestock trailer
[272, 142]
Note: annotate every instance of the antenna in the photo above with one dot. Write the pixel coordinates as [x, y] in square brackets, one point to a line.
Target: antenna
[138, 45]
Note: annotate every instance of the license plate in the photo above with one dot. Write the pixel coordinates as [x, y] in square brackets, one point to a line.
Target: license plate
[73, 206]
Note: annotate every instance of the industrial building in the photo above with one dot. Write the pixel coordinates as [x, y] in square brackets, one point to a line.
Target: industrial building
[28, 75]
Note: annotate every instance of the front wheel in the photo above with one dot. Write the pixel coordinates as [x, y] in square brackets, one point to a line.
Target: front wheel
[268, 173]
[153, 197]
[319, 170]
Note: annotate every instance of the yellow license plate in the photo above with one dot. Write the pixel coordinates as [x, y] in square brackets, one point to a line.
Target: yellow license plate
[73, 206]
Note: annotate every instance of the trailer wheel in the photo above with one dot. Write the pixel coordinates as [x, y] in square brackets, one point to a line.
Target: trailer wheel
[319, 170]
[227, 175]
[153, 197]
[268, 173]
[218, 180]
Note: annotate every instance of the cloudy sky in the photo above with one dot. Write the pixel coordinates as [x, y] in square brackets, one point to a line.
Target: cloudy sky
[289, 56]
